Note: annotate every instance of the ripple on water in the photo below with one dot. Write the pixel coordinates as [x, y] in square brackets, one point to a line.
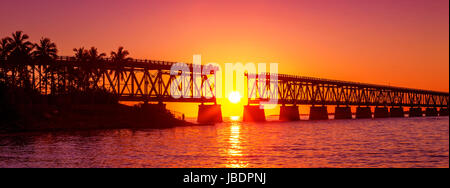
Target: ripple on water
[407, 142]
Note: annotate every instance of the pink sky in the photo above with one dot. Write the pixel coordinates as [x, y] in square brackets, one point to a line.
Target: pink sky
[396, 42]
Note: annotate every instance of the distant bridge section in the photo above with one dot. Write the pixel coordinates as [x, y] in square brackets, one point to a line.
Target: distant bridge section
[387, 101]
[300, 90]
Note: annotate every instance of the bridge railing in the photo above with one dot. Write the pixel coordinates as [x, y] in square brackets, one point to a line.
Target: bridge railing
[137, 63]
[131, 80]
[340, 82]
[310, 90]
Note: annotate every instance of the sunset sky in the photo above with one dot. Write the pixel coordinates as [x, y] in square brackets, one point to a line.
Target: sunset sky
[390, 42]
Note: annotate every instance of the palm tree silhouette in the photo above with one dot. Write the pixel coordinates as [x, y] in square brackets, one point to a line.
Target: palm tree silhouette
[119, 58]
[81, 54]
[78, 74]
[4, 52]
[94, 59]
[94, 56]
[20, 55]
[89, 65]
[46, 52]
[5, 47]
[20, 46]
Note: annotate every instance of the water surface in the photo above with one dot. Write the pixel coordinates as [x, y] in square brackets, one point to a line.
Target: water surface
[396, 142]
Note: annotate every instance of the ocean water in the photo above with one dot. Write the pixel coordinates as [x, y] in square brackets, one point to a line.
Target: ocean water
[392, 142]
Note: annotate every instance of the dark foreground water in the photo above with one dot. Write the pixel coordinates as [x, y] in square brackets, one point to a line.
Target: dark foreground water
[405, 142]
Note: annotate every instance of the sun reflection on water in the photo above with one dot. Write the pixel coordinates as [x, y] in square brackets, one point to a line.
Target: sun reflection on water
[392, 143]
[235, 157]
[234, 141]
[235, 118]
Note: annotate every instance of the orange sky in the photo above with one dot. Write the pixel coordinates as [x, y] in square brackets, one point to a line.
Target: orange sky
[391, 42]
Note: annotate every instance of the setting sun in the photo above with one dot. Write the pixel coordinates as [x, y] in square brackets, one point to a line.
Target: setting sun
[234, 118]
[234, 97]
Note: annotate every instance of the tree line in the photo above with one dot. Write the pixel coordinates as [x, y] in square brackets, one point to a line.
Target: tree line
[17, 53]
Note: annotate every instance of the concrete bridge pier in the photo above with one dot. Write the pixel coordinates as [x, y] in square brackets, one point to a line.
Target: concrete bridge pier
[397, 112]
[318, 113]
[209, 113]
[431, 112]
[343, 113]
[443, 112]
[363, 113]
[289, 113]
[381, 112]
[253, 114]
[415, 112]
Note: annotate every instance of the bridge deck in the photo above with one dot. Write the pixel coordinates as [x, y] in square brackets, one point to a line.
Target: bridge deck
[149, 80]
[301, 90]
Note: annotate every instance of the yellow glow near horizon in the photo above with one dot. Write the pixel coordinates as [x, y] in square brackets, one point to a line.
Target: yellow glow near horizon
[235, 118]
[235, 97]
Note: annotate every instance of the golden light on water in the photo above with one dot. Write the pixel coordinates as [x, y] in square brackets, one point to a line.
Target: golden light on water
[234, 150]
[235, 142]
[235, 118]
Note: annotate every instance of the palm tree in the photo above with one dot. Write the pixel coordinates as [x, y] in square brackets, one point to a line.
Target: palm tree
[94, 56]
[4, 52]
[118, 58]
[94, 59]
[5, 47]
[20, 47]
[81, 54]
[89, 60]
[46, 51]
[20, 55]
[78, 74]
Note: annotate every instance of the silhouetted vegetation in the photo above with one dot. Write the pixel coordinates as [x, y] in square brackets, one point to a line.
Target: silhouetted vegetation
[17, 53]
[63, 92]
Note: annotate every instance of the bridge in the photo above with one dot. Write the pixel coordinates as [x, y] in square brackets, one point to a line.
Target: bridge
[388, 101]
[131, 80]
[150, 81]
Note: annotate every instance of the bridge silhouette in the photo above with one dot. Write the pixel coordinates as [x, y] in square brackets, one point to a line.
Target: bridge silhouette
[319, 93]
[150, 82]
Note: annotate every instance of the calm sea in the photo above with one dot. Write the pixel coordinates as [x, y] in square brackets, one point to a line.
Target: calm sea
[402, 142]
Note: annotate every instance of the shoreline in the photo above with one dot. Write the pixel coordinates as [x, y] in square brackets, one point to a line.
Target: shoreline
[38, 117]
[25, 110]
